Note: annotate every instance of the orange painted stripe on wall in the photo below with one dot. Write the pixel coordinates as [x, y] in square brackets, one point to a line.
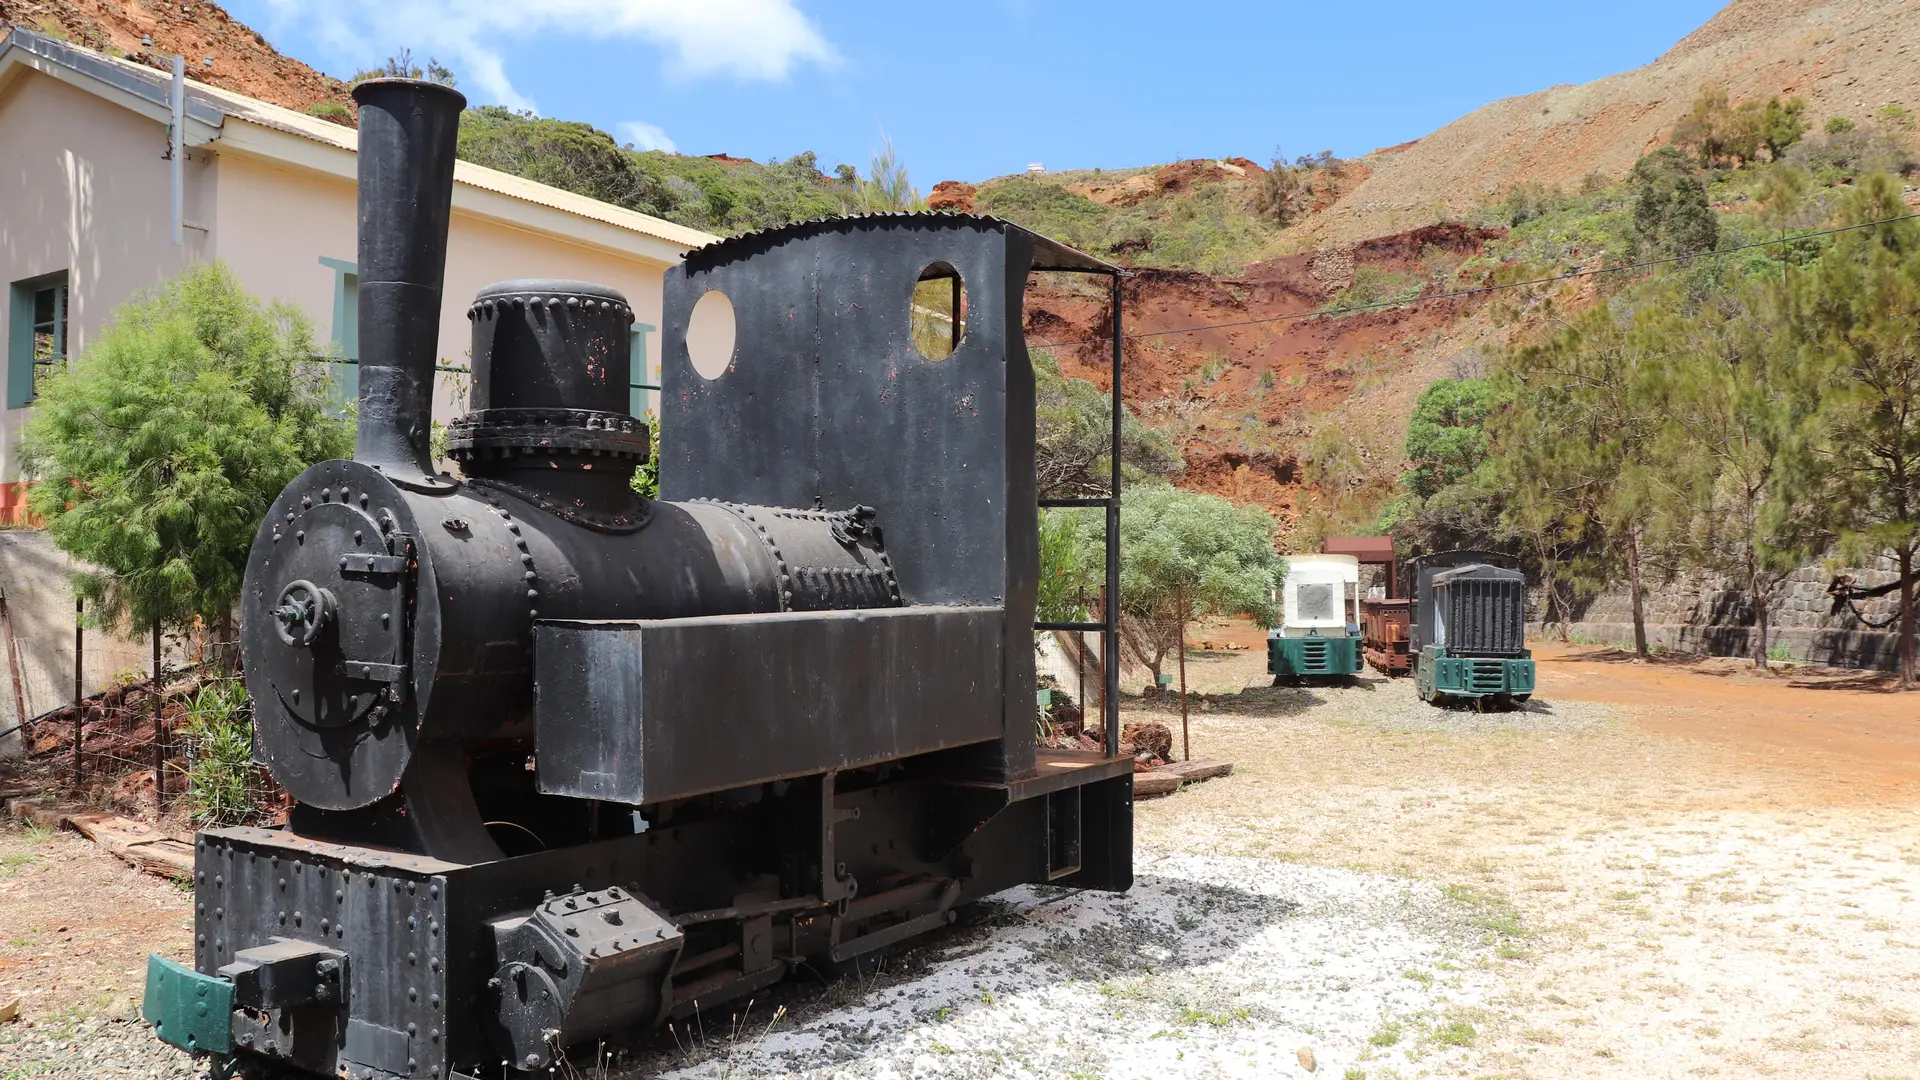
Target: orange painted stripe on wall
[13, 506]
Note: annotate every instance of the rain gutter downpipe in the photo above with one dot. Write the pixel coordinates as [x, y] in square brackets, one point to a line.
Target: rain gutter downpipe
[177, 148]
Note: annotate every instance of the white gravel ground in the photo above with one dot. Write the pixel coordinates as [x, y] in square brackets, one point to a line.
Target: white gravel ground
[1210, 967]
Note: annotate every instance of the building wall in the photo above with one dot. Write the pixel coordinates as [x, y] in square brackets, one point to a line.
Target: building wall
[87, 191]
[34, 583]
[275, 225]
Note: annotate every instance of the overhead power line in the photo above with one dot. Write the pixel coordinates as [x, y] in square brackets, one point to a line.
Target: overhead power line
[1483, 290]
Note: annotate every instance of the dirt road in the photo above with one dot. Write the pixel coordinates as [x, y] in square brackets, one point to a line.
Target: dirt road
[1714, 878]
[1849, 728]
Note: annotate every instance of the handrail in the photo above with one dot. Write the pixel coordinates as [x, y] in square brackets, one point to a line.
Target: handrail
[1109, 629]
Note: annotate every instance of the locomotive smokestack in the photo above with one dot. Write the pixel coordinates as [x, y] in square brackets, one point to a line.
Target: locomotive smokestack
[408, 129]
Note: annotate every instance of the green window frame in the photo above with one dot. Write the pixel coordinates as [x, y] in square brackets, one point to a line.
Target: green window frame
[36, 334]
[647, 380]
[345, 359]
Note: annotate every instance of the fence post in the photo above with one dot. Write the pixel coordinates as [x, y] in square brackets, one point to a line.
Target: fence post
[79, 666]
[159, 732]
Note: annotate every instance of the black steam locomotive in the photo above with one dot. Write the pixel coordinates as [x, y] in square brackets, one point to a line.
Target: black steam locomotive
[568, 762]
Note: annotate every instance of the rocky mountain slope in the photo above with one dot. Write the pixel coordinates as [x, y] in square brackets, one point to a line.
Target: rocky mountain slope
[220, 50]
[1845, 57]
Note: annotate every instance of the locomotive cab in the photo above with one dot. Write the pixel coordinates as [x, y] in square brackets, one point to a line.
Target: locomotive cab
[1319, 632]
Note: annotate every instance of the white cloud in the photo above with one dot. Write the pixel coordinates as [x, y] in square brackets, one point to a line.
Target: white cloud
[645, 136]
[742, 39]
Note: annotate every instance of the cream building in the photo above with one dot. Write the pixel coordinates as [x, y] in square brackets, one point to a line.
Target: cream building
[86, 218]
[86, 221]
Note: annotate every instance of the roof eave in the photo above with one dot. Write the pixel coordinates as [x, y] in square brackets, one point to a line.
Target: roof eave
[285, 149]
[24, 50]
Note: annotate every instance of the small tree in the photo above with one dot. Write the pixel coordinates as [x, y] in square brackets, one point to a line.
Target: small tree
[1184, 554]
[887, 186]
[158, 451]
[1073, 440]
[1671, 215]
[1781, 125]
[1280, 192]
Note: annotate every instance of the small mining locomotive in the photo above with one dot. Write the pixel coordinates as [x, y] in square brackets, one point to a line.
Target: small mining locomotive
[1469, 630]
[567, 762]
[1319, 632]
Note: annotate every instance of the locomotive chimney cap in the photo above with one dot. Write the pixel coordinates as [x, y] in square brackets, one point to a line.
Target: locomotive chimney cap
[374, 86]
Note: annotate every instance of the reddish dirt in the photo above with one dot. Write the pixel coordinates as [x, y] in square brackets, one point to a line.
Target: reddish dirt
[1853, 728]
[1244, 395]
[243, 60]
[952, 195]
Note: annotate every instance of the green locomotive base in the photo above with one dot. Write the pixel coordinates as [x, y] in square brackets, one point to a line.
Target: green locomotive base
[1298, 657]
[1496, 680]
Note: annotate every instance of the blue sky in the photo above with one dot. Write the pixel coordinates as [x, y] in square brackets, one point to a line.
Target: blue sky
[973, 90]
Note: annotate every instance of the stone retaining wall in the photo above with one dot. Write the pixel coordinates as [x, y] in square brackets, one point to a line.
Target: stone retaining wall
[1694, 613]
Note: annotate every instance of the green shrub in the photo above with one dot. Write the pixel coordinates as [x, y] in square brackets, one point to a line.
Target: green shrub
[332, 110]
[159, 448]
[224, 786]
[1372, 285]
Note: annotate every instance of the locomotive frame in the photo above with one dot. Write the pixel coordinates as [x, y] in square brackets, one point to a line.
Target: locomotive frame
[567, 762]
[1469, 630]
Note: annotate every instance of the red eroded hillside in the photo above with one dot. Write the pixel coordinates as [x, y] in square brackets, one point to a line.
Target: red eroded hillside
[1246, 394]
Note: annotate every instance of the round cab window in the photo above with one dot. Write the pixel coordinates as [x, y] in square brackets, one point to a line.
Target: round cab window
[937, 317]
[710, 335]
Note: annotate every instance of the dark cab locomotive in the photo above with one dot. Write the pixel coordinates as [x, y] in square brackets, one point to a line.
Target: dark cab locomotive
[568, 762]
[1469, 630]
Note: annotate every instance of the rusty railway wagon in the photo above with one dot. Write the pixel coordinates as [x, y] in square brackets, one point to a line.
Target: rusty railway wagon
[568, 762]
[1386, 632]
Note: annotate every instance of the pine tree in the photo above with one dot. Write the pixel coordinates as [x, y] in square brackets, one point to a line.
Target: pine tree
[1579, 442]
[1742, 402]
[1857, 310]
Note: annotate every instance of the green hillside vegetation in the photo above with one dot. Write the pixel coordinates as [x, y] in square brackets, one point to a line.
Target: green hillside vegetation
[703, 193]
[1212, 228]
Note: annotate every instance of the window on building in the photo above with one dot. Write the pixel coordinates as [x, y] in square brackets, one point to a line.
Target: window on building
[645, 378]
[37, 321]
[345, 364]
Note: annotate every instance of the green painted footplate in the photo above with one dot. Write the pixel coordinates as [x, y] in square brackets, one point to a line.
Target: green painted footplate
[190, 1010]
[1439, 676]
[1296, 656]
